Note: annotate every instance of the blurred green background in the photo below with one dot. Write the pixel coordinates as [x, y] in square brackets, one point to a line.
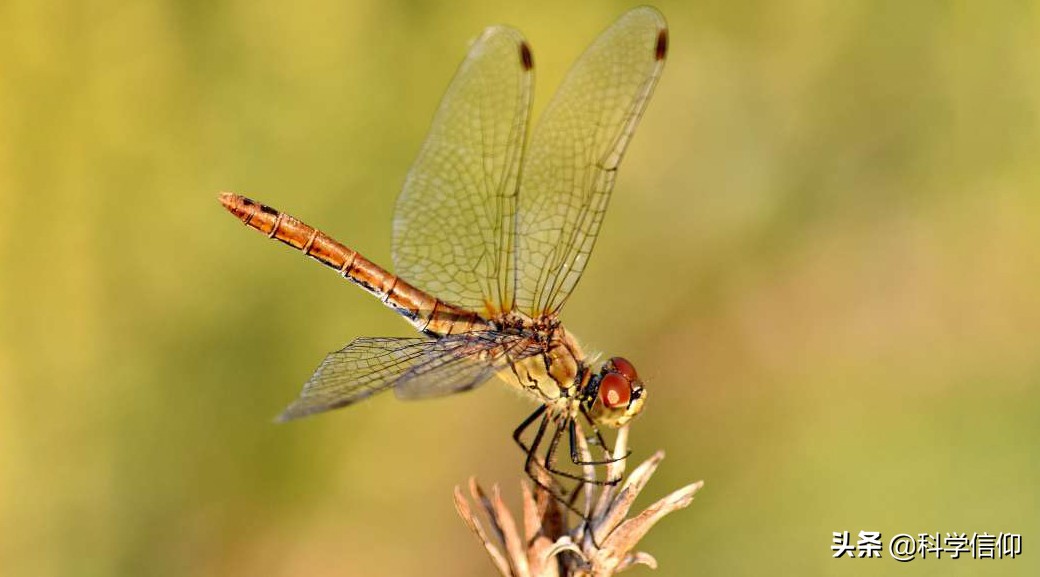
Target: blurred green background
[837, 204]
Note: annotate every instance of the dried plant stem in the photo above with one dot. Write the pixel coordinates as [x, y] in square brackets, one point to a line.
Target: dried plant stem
[603, 545]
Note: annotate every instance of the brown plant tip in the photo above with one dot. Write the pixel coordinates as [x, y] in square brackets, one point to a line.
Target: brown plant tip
[548, 547]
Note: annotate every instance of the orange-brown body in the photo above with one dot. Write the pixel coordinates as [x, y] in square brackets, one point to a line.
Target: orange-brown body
[425, 312]
[558, 369]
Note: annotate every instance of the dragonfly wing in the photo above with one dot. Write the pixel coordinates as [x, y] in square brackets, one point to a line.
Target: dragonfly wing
[361, 369]
[414, 367]
[454, 221]
[574, 154]
[464, 362]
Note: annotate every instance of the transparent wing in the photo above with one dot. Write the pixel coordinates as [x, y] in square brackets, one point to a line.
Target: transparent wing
[363, 368]
[574, 155]
[416, 367]
[454, 221]
[472, 360]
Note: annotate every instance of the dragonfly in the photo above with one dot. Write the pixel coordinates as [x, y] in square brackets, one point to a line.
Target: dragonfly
[491, 233]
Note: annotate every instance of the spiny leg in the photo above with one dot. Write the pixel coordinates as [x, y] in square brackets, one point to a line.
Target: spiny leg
[599, 436]
[555, 489]
[576, 458]
[548, 462]
[595, 429]
[534, 447]
[531, 462]
[525, 425]
[586, 487]
[583, 482]
[531, 451]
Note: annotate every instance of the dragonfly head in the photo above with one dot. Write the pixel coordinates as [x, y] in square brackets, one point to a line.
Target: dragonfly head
[615, 395]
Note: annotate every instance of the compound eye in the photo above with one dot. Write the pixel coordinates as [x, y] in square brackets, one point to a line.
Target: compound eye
[624, 367]
[614, 391]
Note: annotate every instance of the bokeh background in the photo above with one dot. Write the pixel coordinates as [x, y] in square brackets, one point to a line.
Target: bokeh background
[823, 253]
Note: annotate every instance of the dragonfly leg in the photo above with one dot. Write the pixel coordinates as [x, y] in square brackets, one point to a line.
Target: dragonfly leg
[531, 461]
[576, 458]
[524, 426]
[532, 450]
[551, 454]
[531, 466]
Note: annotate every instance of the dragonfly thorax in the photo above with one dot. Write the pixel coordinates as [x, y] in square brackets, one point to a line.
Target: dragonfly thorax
[553, 365]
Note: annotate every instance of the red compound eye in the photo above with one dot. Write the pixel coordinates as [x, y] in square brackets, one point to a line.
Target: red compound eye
[624, 367]
[614, 391]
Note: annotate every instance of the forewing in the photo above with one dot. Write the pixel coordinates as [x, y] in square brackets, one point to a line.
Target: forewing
[414, 367]
[466, 361]
[574, 154]
[455, 218]
[363, 368]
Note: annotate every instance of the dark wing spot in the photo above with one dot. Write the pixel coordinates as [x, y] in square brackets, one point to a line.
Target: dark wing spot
[662, 44]
[268, 210]
[525, 56]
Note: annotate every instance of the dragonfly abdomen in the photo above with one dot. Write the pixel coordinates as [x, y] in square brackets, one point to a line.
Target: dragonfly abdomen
[424, 311]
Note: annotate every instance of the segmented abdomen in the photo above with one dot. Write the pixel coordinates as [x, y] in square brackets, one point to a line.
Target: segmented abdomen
[424, 311]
